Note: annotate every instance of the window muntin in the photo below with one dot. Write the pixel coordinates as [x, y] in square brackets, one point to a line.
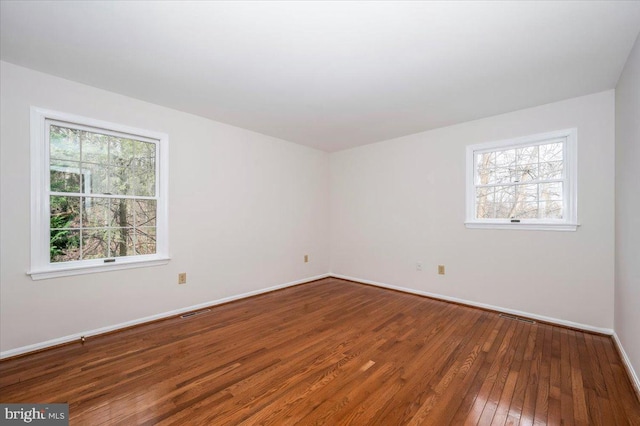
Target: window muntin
[527, 182]
[98, 196]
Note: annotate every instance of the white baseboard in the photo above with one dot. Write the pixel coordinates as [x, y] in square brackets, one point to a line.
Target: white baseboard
[102, 330]
[564, 323]
[635, 381]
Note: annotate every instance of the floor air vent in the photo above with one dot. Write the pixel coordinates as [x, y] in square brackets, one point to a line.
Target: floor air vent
[193, 314]
[511, 317]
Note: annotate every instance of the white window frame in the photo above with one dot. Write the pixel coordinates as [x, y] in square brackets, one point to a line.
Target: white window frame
[41, 266]
[570, 183]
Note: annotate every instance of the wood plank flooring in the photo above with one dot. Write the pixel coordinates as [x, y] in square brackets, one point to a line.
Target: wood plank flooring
[333, 352]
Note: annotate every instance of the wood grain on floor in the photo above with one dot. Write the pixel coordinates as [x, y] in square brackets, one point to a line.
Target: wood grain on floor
[333, 352]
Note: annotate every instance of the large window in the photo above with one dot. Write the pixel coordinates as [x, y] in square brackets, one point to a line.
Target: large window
[98, 196]
[525, 183]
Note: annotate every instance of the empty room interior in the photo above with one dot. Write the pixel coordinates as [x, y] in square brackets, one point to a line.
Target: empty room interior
[366, 213]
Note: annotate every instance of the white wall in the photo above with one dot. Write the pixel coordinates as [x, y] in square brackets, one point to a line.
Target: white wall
[401, 201]
[244, 209]
[627, 267]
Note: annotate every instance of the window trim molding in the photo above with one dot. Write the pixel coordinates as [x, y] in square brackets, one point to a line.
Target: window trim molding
[41, 267]
[570, 154]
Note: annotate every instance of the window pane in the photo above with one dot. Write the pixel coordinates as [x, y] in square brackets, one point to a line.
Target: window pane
[504, 210]
[121, 242]
[64, 144]
[486, 211]
[64, 176]
[551, 152]
[105, 212]
[64, 221]
[64, 212]
[145, 150]
[551, 191]
[95, 243]
[146, 240]
[120, 180]
[121, 156]
[485, 166]
[526, 172]
[551, 170]
[503, 175]
[504, 168]
[121, 152]
[527, 155]
[95, 212]
[527, 164]
[502, 194]
[486, 160]
[526, 206]
[506, 158]
[64, 245]
[525, 210]
[484, 176]
[121, 212]
[145, 212]
[527, 193]
[551, 209]
[483, 207]
[145, 169]
[96, 178]
[95, 147]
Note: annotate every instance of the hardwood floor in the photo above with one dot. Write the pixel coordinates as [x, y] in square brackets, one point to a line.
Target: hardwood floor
[333, 352]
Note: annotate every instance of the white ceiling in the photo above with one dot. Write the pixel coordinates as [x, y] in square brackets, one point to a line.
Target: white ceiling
[330, 75]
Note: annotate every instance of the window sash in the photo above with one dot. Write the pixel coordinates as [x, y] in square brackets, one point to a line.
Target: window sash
[100, 131]
[490, 185]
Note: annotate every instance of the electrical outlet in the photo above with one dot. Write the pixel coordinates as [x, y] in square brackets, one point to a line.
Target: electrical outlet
[182, 278]
[418, 266]
[441, 269]
[306, 258]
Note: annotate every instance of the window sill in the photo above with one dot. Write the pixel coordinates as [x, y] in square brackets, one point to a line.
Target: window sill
[65, 271]
[524, 226]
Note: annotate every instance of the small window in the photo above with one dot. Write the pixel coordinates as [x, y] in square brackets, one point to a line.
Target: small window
[524, 183]
[99, 196]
